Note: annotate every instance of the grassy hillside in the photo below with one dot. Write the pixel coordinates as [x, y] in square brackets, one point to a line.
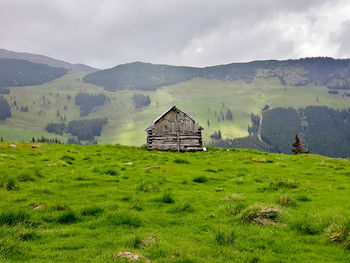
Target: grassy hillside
[67, 203]
[16, 72]
[126, 123]
[333, 73]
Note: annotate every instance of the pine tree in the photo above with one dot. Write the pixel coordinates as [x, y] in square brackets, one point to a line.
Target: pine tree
[229, 115]
[298, 149]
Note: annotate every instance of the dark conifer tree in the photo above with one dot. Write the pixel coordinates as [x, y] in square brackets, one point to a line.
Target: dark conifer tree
[229, 115]
[298, 149]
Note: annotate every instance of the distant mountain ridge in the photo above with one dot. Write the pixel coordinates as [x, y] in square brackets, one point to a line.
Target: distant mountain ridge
[17, 72]
[325, 71]
[46, 60]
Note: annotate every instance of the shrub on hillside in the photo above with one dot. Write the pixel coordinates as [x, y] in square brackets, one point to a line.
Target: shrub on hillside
[141, 100]
[57, 128]
[86, 129]
[88, 101]
[5, 109]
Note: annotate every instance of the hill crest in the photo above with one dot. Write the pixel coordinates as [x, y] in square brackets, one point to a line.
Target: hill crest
[41, 59]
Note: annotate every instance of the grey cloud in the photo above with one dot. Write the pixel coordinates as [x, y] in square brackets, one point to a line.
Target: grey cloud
[109, 32]
[342, 38]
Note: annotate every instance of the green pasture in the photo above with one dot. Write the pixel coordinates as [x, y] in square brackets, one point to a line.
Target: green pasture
[68, 203]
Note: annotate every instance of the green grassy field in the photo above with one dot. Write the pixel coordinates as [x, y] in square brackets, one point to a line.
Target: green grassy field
[203, 99]
[68, 203]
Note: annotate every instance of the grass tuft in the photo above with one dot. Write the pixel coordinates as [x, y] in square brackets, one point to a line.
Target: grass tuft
[12, 218]
[145, 186]
[340, 232]
[124, 219]
[306, 225]
[184, 207]
[224, 237]
[286, 184]
[234, 208]
[200, 179]
[179, 160]
[167, 198]
[285, 200]
[27, 235]
[110, 171]
[26, 176]
[260, 214]
[303, 198]
[67, 218]
[91, 211]
[9, 184]
[134, 242]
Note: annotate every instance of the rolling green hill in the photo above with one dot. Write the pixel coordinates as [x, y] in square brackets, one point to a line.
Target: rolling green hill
[69, 203]
[207, 94]
[333, 73]
[15, 72]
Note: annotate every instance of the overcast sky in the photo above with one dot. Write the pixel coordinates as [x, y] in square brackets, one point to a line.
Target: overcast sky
[105, 33]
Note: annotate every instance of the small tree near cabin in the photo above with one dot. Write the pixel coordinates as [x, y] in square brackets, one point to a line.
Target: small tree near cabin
[298, 149]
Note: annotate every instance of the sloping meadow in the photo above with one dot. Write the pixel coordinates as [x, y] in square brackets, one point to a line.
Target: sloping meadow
[112, 203]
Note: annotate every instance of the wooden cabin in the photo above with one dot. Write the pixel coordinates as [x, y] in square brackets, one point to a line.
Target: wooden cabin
[174, 130]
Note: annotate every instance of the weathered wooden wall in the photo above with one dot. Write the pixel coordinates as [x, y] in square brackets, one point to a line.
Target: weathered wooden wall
[175, 131]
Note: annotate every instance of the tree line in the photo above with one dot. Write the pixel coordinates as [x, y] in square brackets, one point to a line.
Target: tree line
[88, 101]
[322, 130]
[82, 129]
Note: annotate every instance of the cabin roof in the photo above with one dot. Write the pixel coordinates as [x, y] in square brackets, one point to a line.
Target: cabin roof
[161, 116]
